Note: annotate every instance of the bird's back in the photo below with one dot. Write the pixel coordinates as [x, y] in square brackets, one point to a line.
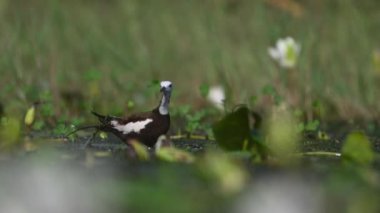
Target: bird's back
[145, 127]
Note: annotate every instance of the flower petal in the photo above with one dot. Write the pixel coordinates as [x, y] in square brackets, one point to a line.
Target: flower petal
[273, 53]
[281, 47]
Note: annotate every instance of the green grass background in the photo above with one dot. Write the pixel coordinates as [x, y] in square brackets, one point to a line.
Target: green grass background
[110, 51]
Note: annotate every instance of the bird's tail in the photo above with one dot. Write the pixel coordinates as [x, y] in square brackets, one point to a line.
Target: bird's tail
[102, 118]
[97, 127]
[104, 123]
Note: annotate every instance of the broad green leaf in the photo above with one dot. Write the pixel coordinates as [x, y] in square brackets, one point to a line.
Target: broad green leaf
[357, 149]
[233, 130]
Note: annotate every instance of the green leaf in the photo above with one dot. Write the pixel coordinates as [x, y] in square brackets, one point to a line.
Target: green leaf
[172, 154]
[62, 129]
[357, 149]
[300, 127]
[282, 134]
[77, 121]
[38, 125]
[225, 171]
[312, 126]
[10, 131]
[29, 116]
[233, 129]
[140, 149]
[47, 109]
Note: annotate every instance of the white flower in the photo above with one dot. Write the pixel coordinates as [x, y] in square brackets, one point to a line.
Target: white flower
[286, 52]
[216, 96]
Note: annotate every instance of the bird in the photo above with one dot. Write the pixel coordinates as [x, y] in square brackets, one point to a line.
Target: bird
[145, 127]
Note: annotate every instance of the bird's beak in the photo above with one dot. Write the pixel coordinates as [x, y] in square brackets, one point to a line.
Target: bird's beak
[162, 89]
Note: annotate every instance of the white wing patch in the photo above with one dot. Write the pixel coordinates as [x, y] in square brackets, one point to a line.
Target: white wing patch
[131, 126]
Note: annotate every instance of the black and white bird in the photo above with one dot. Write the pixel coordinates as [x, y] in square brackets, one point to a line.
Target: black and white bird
[145, 127]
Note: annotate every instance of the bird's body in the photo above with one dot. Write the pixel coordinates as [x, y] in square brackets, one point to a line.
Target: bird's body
[145, 127]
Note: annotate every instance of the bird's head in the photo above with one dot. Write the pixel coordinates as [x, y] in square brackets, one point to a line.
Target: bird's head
[166, 86]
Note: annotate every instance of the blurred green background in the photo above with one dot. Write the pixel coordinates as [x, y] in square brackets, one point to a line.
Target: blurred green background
[107, 53]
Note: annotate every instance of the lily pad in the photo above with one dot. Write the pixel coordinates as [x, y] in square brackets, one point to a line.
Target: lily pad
[232, 132]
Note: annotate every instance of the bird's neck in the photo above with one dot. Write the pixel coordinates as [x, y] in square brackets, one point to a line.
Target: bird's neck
[163, 108]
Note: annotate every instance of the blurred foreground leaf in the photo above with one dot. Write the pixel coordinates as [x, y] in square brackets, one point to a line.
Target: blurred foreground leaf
[9, 132]
[227, 173]
[232, 132]
[140, 149]
[172, 154]
[282, 134]
[357, 149]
